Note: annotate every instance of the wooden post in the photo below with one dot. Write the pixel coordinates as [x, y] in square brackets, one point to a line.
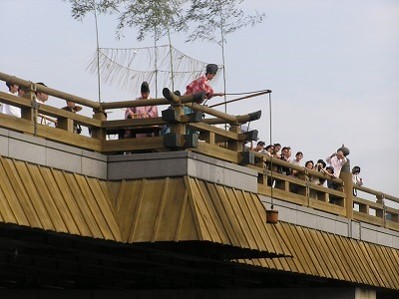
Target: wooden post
[99, 133]
[28, 112]
[346, 176]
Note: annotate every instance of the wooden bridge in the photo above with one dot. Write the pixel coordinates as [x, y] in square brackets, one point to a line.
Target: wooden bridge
[184, 211]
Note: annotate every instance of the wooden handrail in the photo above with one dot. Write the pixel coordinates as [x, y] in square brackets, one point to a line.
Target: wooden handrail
[50, 91]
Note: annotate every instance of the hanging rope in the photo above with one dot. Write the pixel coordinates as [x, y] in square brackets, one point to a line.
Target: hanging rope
[129, 67]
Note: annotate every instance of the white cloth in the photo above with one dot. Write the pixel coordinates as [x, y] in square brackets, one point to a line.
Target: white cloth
[10, 110]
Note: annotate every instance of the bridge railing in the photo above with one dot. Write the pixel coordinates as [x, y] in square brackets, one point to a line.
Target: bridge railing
[301, 188]
[348, 200]
[185, 131]
[193, 132]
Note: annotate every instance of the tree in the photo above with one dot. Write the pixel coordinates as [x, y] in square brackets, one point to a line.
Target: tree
[157, 17]
[213, 20]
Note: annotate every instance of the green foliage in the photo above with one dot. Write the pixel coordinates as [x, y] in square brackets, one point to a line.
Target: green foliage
[202, 19]
[213, 17]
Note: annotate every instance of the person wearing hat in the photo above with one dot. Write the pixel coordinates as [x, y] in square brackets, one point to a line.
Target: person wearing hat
[72, 107]
[202, 83]
[142, 111]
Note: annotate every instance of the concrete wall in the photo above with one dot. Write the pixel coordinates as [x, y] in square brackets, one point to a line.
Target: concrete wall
[181, 163]
[53, 154]
[327, 222]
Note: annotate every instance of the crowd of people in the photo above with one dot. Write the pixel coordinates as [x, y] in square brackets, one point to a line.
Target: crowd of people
[331, 166]
[40, 98]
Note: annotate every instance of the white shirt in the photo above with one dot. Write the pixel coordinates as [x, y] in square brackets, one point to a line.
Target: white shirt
[10, 110]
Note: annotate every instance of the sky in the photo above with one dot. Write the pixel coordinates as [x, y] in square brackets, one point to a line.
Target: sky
[332, 66]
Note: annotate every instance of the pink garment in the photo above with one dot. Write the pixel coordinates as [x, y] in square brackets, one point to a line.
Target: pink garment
[200, 84]
[140, 112]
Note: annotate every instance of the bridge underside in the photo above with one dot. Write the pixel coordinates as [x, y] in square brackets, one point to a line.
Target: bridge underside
[31, 258]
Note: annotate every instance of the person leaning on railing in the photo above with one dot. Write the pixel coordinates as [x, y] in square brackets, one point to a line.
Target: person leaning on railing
[72, 107]
[141, 112]
[9, 109]
[41, 98]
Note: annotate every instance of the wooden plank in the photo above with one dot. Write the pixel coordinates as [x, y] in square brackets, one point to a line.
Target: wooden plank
[92, 212]
[137, 211]
[371, 262]
[137, 122]
[192, 207]
[231, 209]
[249, 210]
[350, 260]
[59, 200]
[317, 258]
[306, 261]
[269, 233]
[336, 253]
[69, 138]
[66, 187]
[217, 152]
[33, 195]
[368, 218]
[381, 265]
[214, 221]
[106, 207]
[370, 279]
[170, 209]
[327, 207]
[20, 192]
[224, 214]
[187, 228]
[16, 124]
[47, 198]
[220, 133]
[324, 254]
[132, 144]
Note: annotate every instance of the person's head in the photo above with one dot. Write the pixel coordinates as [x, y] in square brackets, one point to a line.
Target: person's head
[259, 146]
[340, 154]
[298, 156]
[320, 164]
[70, 104]
[21, 91]
[277, 147]
[356, 170]
[309, 164]
[145, 90]
[285, 151]
[270, 148]
[344, 151]
[330, 169]
[13, 88]
[41, 96]
[211, 70]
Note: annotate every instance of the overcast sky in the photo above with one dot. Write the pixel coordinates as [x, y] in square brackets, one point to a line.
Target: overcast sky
[333, 67]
